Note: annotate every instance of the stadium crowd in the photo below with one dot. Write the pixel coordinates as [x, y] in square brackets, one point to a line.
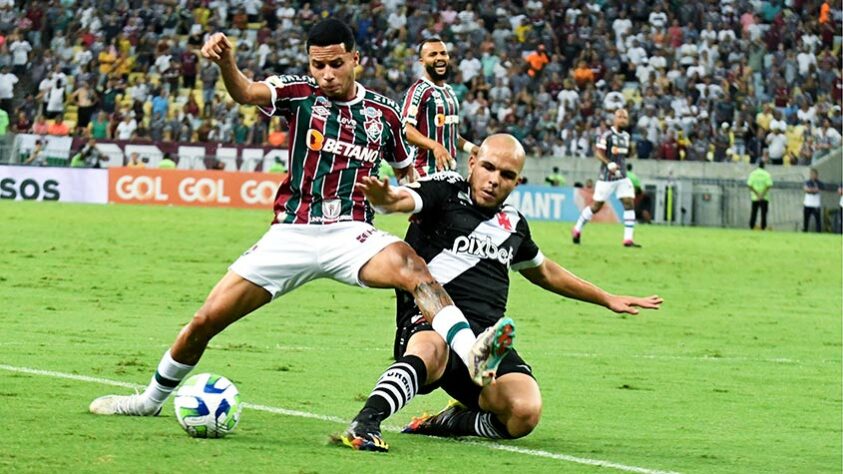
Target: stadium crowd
[717, 80]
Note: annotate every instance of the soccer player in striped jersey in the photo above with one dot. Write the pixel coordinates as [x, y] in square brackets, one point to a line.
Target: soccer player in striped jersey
[432, 112]
[612, 149]
[339, 132]
[470, 240]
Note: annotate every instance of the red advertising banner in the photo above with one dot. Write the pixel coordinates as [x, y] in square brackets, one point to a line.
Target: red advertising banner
[192, 188]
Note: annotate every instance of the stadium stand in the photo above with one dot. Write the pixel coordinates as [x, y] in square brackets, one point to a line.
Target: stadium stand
[713, 80]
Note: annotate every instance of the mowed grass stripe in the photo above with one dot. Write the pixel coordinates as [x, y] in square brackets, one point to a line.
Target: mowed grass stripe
[336, 419]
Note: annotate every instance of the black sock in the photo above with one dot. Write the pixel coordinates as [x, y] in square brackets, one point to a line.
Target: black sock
[396, 387]
[477, 423]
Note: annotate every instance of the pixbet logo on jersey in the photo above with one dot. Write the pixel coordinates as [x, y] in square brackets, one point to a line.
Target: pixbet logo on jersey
[483, 248]
[316, 141]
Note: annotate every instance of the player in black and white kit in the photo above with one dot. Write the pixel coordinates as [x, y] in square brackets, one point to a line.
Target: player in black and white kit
[470, 240]
[612, 151]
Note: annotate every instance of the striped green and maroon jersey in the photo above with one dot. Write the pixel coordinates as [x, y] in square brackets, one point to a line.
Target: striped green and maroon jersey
[333, 145]
[435, 112]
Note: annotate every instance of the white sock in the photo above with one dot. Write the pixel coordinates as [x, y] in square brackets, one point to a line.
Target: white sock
[453, 327]
[168, 376]
[628, 224]
[585, 216]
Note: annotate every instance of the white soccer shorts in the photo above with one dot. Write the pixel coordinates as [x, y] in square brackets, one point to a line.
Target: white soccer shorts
[622, 188]
[290, 255]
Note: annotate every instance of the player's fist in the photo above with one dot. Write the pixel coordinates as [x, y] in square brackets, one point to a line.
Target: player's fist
[613, 168]
[217, 48]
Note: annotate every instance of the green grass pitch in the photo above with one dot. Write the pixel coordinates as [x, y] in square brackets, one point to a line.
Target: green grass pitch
[740, 371]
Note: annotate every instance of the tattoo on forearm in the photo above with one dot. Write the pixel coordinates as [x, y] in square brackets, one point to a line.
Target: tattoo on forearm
[431, 298]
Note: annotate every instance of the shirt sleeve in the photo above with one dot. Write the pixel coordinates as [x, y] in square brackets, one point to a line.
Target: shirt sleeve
[430, 194]
[602, 141]
[399, 153]
[528, 254]
[413, 102]
[284, 90]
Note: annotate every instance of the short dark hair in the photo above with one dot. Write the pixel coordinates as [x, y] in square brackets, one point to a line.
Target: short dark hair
[329, 32]
[432, 39]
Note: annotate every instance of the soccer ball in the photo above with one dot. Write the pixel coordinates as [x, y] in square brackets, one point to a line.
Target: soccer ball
[208, 406]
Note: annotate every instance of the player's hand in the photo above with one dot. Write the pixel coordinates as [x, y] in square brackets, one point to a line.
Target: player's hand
[629, 304]
[378, 192]
[443, 158]
[613, 168]
[217, 48]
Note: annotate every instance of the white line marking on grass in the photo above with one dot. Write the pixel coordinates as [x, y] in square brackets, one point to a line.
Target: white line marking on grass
[335, 419]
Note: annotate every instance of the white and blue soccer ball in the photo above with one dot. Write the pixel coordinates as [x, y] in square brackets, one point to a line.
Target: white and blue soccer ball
[208, 406]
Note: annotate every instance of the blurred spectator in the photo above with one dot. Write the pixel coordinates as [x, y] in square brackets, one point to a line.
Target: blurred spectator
[811, 203]
[4, 123]
[278, 137]
[759, 184]
[7, 84]
[37, 156]
[826, 138]
[777, 143]
[40, 127]
[555, 178]
[278, 166]
[126, 128]
[88, 156]
[99, 127]
[85, 100]
[166, 163]
[135, 161]
[58, 127]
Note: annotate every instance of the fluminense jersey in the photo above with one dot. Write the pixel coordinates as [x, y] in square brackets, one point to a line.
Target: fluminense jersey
[468, 249]
[333, 145]
[615, 145]
[435, 112]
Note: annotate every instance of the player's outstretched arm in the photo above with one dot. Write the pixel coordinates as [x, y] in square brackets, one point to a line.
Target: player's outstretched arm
[242, 89]
[385, 198]
[552, 277]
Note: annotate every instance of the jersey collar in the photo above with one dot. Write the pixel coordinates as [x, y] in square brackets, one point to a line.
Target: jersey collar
[361, 92]
[425, 79]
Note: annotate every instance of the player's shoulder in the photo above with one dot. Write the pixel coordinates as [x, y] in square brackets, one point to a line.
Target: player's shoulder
[373, 98]
[447, 180]
[290, 79]
[513, 211]
[419, 85]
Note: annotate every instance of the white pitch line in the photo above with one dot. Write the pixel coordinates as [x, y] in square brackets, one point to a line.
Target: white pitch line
[335, 419]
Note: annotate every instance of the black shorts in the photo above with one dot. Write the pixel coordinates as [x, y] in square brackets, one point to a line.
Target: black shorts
[455, 380]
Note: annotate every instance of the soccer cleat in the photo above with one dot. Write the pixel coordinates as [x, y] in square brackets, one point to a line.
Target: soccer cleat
[489, 349]
[129, 405]
[629, 243]
[364, 435]
[575, 236]
[440, 424]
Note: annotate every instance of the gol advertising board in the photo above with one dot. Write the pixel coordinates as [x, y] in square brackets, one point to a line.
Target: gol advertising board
[193, 188]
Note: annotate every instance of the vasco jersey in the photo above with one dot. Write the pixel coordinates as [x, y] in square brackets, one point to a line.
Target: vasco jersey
[435, 112]
[615, 145]
[333, 145]
[468, 249]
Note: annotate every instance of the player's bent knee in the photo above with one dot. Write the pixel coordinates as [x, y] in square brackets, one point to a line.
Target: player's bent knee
[412, 270]
[524, 416]
[206, 322]
[431, 348]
